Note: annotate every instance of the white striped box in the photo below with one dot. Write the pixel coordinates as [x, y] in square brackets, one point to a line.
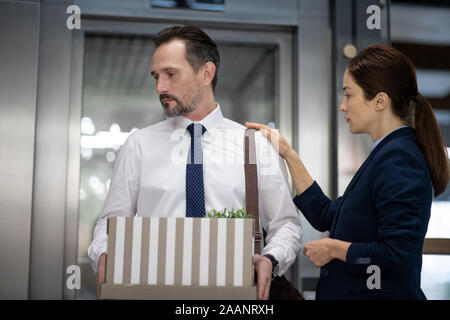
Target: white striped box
[177, 253]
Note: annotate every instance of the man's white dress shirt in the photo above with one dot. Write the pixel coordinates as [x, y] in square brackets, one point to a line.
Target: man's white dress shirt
[149, 179]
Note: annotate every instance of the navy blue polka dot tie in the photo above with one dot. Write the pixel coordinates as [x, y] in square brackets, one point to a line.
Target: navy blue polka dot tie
[195, 192]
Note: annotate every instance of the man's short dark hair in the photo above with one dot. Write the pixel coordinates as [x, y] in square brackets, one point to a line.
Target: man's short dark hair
[200, 49]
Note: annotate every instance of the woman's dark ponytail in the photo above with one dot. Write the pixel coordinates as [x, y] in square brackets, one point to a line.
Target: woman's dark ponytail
[380, 68]
[431, 143]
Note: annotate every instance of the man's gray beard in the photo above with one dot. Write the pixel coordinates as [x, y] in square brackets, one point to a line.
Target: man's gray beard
[181, 109]
[178, 110]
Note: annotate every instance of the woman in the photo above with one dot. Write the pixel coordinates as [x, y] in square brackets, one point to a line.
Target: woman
[377, 227]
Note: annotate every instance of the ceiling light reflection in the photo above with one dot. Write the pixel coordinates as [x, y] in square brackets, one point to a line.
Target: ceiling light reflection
[104, 140]
[110, 156]
[86, 153]
[87, 126]
[83, 194]
[97, 185]
[115, 128]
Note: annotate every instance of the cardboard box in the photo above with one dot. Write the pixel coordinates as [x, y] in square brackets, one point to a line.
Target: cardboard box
[179, 258]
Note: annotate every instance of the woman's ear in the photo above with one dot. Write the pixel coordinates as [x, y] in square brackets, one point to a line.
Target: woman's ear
[209, 70]
[381, 101]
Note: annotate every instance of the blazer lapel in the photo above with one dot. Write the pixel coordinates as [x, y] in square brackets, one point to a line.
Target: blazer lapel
[350, 186]
[356, 177]
[403, 132]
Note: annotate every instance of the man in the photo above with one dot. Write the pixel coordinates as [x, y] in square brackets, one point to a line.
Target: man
[192, 162]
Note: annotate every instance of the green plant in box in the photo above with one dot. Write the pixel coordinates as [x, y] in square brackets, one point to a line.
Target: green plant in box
[229, 214]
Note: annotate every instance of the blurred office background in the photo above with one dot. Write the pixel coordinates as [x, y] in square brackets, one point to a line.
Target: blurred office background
[70, 97]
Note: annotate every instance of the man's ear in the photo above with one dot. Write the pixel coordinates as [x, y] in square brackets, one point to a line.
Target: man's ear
[381, 101]
[209, 70]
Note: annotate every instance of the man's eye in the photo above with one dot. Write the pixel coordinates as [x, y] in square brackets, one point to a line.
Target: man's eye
[171, 74]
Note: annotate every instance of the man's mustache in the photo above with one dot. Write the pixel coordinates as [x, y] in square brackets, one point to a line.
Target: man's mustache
[167, 96]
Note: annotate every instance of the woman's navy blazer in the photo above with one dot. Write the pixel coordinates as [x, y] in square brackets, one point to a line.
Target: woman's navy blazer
[384, 213]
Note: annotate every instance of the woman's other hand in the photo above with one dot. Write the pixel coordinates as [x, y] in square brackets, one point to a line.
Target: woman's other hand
[319, 251]
[322, 251]
[274, 136]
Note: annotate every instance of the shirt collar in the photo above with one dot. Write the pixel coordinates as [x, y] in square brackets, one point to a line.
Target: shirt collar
[212, 120]
[381, 139]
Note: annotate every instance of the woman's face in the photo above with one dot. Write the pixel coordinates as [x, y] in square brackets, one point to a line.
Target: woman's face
[359, 113]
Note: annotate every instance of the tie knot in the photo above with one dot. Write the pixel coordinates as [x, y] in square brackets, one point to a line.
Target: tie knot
[196, 129]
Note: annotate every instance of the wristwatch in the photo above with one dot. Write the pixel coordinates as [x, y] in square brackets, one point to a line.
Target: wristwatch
[274, 263]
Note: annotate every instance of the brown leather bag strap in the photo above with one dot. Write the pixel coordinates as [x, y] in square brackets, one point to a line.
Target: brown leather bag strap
[280, 288]
[251, 184]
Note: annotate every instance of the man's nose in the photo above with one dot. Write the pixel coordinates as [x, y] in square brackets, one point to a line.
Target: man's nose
[161, 87]
[342, 107]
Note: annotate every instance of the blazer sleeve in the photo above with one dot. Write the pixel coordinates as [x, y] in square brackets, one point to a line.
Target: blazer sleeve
[318, 209]
[401, 191]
